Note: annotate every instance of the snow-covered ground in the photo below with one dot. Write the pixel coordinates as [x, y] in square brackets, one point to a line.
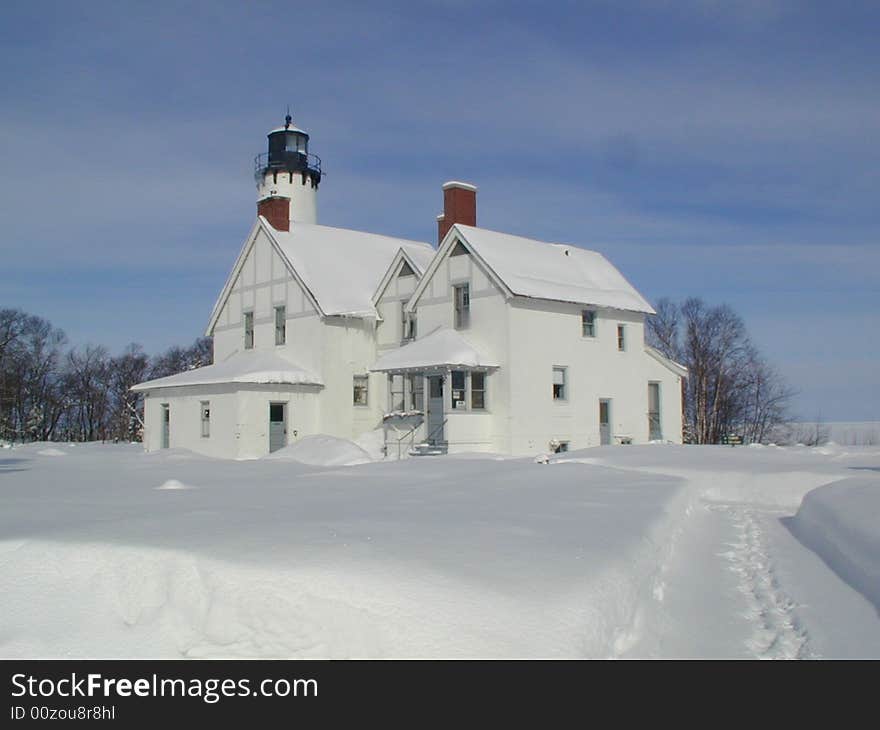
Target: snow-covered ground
[615, 551]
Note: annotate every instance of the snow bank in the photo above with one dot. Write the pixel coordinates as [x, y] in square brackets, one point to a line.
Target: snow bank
[323, 451]
[174, 484]
[51, 452]
[840, 522]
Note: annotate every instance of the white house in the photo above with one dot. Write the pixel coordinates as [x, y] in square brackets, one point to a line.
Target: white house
[490, 342]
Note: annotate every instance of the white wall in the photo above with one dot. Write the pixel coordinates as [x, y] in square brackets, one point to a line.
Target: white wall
[303, 197]
[239, 417]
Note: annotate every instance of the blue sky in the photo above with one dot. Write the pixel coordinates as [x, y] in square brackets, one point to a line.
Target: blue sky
[727, 150]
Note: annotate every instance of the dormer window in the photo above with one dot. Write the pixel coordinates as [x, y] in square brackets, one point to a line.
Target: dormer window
[248, 330]
[462, 299]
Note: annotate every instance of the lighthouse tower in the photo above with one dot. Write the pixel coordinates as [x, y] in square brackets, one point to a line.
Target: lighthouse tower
[287, 178]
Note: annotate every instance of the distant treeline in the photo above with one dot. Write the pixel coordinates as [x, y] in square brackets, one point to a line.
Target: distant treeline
[731, 390]
[51, 392]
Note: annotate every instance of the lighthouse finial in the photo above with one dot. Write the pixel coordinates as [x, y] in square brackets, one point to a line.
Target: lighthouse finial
[288, 119]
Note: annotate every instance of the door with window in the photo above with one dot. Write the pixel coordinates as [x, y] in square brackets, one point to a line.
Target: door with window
[277, 426]
[435, 434]
[166, 426]
[605, 421]
[655, 432]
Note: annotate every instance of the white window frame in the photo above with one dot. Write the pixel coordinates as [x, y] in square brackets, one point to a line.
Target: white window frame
[463, 390]
[395, 406]
[461, 304]
[592, 324]
[482, 390]
[563, 397]
[281, 334]
[249, 338]
[621, 337]
[361, 382]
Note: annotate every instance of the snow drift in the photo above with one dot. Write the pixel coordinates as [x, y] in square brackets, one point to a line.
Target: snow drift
[323, 451]
[840, 522]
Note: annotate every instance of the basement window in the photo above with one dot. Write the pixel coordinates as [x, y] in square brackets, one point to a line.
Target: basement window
[248, 330]
[559, 384]
[361, 390]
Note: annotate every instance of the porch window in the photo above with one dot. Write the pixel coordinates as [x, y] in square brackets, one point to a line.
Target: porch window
[588, 323]
[459, 400]
[395, 387]
[206, 419]
[280, 325]
[417, 392]
[361, 389]
[621, 338]
[478, 391]
[248, 330]
[559, 385]
[462, 297]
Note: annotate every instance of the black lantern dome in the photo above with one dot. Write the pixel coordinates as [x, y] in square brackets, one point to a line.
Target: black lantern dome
[288, 152]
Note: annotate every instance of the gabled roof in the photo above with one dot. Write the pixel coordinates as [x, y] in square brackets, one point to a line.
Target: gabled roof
[417, 259]
[342, 268]
[251, 366]
[675, 367]
[441, 348]
[338, 269]
[535, 269]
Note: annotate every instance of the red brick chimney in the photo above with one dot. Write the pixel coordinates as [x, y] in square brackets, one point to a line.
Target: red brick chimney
[276, 210]
[459, 206]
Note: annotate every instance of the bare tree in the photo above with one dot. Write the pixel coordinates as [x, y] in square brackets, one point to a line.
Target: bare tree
[730, 388]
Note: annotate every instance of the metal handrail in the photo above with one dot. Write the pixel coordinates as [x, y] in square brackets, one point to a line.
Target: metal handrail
[261, 164]
[431, 435]
[412, 434]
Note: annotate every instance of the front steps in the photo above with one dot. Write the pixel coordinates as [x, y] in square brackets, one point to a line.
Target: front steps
[425, 449]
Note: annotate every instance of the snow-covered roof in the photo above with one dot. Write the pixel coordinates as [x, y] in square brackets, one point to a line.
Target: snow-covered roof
[251, 366]
[555, 271]
[675, 367]
[441, 348]
[341, 267]
[291, 128]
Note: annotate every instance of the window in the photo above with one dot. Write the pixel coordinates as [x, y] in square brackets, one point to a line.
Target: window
[478, 391]
[559, 383]
[417, 392]
[621, 340]
[588, 323]
[408, 320]
[459, 401]
[395, 388]
[559, 447]
[248, 330]
[361, 387]
[280, 325]
[462, 296]
[655, 432]
[206, 419]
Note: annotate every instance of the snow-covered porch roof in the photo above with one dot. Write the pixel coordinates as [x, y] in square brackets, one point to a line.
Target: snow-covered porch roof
[252, 366]
[441, 349]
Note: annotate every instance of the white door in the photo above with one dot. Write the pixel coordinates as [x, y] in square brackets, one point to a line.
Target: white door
[166, 426]
[604, 422]
[435, 434]
[277, 426]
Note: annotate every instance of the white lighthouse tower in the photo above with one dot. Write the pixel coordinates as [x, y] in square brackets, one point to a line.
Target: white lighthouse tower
[287, 178]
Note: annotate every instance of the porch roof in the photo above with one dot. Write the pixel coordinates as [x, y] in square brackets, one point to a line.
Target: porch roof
[252, 366]
[441, 348]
